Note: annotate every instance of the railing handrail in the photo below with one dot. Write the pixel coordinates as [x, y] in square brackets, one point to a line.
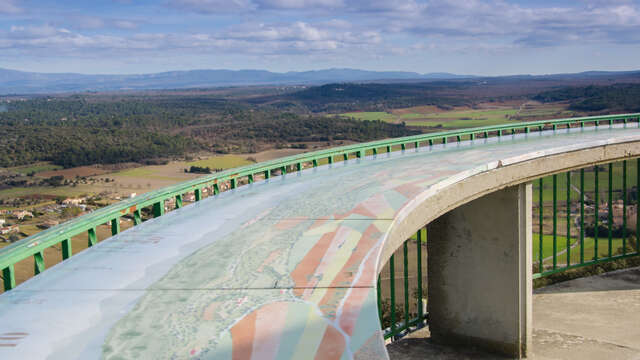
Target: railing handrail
[36, 243]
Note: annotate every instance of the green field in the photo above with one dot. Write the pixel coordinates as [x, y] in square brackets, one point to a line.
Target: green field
[145, 173]
[35, 168]
[373, 115]
[450, 119]
[222, 162]
[462, 119]
[589, 182]
[589, 248]
[40, 190]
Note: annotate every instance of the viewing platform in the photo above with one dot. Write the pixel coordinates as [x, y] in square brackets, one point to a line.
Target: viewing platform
[285, 264]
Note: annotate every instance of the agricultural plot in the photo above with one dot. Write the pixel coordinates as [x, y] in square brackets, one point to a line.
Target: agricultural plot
[589, 183]
[222, 162]
[486, 114]
[374, 115]
[34, 168]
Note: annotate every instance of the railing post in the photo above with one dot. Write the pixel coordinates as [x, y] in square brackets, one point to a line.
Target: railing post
[419, 261]
[540, 224]
[9, 277]
[137, 217]
[405, 258]
[234, 182]
[581, 216]
[624, 204]
[299, 166]
[568, 246]
[315, 162]
[158, 208]
[379, 298]
[66, 249]
[330, 159]
[197, 193]
[596, 205]
[637, 209]
[392, 287]
[38, 262]
[267, 174]
[610, 211]
[216, 188]
[403, 147]
[92, 238]
[555, 220]
[178, 201]
[115, 226]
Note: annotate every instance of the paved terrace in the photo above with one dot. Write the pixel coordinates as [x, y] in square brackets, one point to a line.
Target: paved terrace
[590, 318]
[280, 269]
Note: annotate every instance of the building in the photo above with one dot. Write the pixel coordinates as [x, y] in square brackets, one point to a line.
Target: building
[9, 229]
[22, 214]
[74, 202]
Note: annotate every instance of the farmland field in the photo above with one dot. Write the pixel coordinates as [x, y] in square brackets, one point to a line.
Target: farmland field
[222, 162]
[35, 168]
[375, 115]
[484, 114]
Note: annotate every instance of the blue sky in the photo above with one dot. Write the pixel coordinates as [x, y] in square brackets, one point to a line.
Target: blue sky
[484, 37]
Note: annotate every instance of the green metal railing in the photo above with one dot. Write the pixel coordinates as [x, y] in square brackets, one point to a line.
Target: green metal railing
[62, 234]
[588, 222]
[399, 319]
[550, 254]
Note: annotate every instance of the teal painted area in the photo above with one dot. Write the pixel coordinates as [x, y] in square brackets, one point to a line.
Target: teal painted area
[290, 339]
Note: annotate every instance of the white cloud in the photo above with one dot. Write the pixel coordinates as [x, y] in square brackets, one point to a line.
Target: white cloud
[9, 7]
[299, 4]
[214, 6]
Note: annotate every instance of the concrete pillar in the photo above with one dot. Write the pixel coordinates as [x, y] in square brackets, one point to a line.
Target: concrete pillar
[479, 273]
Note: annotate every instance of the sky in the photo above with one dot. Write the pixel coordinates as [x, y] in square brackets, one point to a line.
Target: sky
[480, 37]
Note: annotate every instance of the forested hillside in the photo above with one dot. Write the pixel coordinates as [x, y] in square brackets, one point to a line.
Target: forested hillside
[82, 130]
[620, 97]
[336, 98]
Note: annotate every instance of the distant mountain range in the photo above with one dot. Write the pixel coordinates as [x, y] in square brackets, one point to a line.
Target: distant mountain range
[20, 82]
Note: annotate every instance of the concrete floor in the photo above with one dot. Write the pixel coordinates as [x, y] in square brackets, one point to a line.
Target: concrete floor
[591, 318]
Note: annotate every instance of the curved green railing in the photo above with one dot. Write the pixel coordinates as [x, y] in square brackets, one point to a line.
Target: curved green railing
[34, 246]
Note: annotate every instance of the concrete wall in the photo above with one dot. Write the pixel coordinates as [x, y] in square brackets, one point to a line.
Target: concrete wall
[479, 273]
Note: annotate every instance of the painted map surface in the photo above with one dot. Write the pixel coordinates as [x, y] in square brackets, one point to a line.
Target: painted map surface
[280, 269]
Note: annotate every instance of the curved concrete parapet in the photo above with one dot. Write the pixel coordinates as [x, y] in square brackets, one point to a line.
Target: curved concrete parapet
[280, 269]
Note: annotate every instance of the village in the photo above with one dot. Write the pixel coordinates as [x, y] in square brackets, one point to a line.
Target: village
[18, 224]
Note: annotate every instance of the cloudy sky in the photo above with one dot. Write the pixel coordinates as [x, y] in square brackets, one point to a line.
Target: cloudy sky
[487, 37]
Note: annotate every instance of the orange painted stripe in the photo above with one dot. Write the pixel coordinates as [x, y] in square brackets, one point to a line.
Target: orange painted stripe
[347, 274]
[310, 262]
[357, 297]
[242, 335]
